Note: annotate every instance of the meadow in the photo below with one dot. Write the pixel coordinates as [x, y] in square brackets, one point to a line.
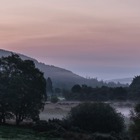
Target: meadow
[61, 109]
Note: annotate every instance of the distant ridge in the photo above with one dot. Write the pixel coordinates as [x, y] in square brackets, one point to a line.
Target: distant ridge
[61, 78]
[122, 80]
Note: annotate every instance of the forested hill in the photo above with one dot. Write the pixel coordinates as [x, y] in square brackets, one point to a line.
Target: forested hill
[62, 78]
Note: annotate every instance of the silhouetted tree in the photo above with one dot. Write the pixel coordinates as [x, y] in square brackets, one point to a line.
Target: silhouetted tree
[54, 99]
[119, 93]
[134, 89]
[76, 89]
[4, 98]
[104, 93]
[49, 86]
[58, 92]
[25, 87]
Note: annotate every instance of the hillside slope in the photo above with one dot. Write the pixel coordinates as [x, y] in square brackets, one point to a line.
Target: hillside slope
[60, 77]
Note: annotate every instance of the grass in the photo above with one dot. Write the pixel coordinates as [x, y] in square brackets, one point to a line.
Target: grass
[16, 133]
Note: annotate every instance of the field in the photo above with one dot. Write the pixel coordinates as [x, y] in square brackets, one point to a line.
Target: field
[61, 109]
[58, 110]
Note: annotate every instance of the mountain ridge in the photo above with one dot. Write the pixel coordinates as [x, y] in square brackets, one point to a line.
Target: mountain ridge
[61, 78]
[55, 73]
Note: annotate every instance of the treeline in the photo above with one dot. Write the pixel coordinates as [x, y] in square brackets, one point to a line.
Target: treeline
[94, 82]
[99, 92]
[68, 83]
[104, 93]
[86, 93]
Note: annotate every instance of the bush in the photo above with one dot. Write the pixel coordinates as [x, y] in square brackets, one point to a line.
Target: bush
[96, 117]
[50, 128]
[54, 99]
[40, 126]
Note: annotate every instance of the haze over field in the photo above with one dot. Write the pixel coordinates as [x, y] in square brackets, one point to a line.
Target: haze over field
[96, 38]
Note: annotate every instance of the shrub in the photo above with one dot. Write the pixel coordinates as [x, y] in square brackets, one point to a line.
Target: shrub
[54, 99]
[96, 117]
[51, 127]
[40, 126]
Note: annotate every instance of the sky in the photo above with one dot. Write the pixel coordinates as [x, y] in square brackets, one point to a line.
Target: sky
[92, 38]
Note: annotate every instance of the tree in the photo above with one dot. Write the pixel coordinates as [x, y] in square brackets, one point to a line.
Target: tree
[54, 99]
[49, 86]
[134, 89]
[25, 87]
[119, 93]
[58, 92]
[135, 126]
[96, 117]
[5, 108]
[76, 89]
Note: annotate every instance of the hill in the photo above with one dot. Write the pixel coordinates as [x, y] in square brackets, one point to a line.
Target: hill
[61, 78]
[122, 80]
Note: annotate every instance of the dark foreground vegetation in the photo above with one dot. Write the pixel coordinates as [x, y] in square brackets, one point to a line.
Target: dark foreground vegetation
[88, 121]
[20, 133]
[23, 96]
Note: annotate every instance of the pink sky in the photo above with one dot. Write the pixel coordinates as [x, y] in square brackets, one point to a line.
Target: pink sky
[96, 38]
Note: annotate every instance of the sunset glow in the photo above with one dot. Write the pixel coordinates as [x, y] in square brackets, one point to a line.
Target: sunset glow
[96, 38]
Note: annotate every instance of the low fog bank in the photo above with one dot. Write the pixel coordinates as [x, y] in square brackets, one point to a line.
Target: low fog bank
[61, 109]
